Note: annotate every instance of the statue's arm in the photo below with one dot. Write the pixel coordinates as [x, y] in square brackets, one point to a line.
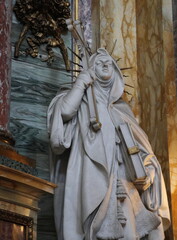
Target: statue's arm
[73, 98]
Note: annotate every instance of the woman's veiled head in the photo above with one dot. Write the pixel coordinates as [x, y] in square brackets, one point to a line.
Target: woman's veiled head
[109, 79]
[103, 67]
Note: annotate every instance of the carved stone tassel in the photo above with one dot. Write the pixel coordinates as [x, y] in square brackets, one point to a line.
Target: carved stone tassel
[120, 215]
[120, 192]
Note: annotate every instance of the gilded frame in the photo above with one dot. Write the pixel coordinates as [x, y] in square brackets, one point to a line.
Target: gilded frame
[19, 219]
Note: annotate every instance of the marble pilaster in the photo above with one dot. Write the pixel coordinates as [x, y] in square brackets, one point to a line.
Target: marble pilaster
[5, 59]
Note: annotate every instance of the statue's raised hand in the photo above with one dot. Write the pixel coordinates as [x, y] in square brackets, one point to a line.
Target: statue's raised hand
[85, 79]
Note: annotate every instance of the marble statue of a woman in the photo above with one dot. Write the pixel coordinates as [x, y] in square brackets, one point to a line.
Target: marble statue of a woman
[95, 198]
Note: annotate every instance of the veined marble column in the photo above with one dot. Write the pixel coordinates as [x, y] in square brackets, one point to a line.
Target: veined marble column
[5, 63]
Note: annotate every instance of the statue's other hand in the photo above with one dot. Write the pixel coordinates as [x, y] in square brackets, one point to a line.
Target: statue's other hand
[84, 79]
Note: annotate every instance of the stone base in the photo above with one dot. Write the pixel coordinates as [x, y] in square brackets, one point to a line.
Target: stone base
[19, 197]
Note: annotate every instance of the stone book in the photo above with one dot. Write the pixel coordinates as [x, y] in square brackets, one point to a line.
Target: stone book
[133, 159]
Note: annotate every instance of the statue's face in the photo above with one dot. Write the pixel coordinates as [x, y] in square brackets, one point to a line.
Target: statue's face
[104, 68]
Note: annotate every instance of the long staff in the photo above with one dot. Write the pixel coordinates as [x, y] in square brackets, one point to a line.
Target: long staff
[77, 31]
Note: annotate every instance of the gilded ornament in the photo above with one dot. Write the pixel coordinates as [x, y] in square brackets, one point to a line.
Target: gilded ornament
[45, 20]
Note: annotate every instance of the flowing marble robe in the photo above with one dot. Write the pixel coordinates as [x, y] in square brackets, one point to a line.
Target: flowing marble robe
[85, 201]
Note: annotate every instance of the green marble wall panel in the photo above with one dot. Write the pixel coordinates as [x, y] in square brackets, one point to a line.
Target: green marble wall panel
[34, 84]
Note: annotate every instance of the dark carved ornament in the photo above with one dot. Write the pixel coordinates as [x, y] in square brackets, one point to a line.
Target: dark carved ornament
[9, 157]
[45, 21]
[19, 219]
[18, 166]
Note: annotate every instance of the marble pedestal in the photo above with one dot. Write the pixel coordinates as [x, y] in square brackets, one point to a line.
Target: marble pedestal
[19, 196]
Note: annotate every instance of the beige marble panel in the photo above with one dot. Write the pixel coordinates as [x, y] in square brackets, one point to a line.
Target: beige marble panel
[156, 79]
[118, 27]
[150, 72]
[171, 100]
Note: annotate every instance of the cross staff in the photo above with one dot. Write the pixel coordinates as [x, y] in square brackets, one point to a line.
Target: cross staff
[76, 29]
